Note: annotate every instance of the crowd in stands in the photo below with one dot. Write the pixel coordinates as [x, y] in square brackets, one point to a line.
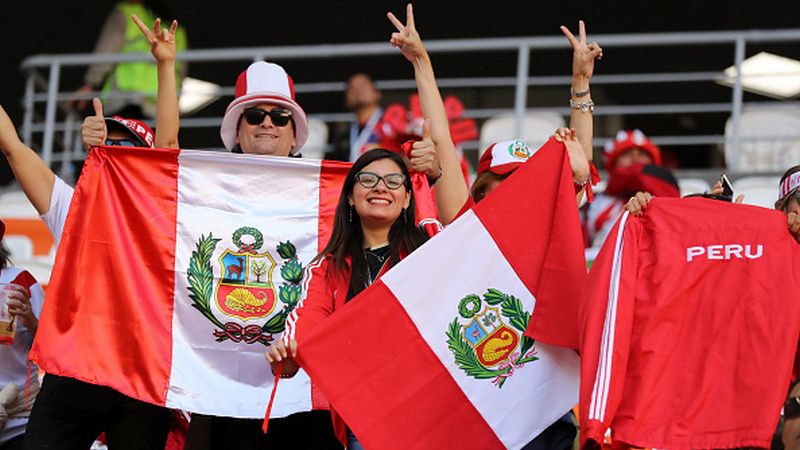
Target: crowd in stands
[374, 225]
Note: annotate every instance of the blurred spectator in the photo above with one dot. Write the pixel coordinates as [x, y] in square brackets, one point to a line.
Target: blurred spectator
[18, 384]
[120, 35]
[362, 98]
[791, 418]
[633, 163]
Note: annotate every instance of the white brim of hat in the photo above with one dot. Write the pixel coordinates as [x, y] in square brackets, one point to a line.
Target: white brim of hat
[230, 122]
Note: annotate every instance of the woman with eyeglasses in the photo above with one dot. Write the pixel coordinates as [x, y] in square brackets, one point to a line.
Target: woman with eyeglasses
[374, 226]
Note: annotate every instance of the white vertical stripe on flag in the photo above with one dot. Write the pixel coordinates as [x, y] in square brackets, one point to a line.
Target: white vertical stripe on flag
[219, 193]
[430, 287]
[602, 380]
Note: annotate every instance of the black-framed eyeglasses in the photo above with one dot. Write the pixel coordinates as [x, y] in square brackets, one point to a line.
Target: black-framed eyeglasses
[280, 117]
[122, 143]
[791, 408]
[392, 180]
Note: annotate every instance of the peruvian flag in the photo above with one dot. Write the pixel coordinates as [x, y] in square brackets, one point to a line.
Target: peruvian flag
[434, 354]
[177, 268]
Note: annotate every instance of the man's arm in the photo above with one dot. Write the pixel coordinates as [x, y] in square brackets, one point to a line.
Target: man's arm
[32, 174]
[162, 46]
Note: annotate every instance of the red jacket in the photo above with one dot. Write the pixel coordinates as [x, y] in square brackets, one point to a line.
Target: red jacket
[322, 295]
[690, 326]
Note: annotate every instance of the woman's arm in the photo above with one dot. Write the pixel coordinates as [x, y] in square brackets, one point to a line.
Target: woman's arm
[162, 46]
[583, 57]
[32, 174]
[451, 190]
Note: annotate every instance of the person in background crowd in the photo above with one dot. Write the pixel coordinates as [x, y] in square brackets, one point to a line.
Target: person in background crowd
[136, 79]
[790, 434]
[19, 384]
[362, 98]
[633, 164]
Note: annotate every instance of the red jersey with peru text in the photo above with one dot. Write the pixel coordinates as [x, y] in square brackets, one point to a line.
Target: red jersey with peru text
[690, 326]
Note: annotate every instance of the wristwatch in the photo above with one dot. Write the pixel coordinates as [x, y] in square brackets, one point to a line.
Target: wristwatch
[587, 106]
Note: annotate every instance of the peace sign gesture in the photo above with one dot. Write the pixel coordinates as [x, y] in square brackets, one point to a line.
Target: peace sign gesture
[162, 43]
[406, 37]
[583, 55]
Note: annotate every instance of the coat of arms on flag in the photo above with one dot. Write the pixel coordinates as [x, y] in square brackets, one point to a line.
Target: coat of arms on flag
[243, 304]
[483, 345]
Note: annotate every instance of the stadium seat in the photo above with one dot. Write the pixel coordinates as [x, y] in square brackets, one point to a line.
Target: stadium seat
[536, 129]
[692, 185]
[760, 191]
[769, 140]
[316, 145]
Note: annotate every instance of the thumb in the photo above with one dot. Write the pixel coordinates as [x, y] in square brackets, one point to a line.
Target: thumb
[98, 107]
[426, 129]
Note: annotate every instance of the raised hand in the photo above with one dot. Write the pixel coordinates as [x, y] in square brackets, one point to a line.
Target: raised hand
[93, 128]
[577, 157]
[423, 156]
[583, 54]
[406, 37]
[162, 43]
[19, 305]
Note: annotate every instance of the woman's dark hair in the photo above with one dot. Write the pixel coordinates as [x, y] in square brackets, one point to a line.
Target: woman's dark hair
[5, 256]
[347, 237]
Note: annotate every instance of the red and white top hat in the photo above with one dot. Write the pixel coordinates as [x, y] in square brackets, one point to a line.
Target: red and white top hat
[629, 140]
[263, 82]
[504, 157]
[140, 131]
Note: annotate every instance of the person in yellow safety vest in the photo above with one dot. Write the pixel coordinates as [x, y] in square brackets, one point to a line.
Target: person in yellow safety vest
[120, 35]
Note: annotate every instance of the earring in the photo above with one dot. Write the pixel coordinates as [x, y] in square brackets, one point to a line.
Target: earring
[350, 219]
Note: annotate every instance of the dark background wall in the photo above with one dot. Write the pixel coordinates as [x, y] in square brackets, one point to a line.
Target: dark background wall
[47, 27]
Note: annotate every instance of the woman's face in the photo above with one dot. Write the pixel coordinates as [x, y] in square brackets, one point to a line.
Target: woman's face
[379, 206]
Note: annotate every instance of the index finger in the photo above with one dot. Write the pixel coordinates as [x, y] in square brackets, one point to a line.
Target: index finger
[397, 24]
[145, 30]
[569, 35]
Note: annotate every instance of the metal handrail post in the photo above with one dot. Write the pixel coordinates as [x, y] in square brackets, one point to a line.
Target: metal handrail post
[27, 117]
[521, 92]
[50, 115]
[736, 108]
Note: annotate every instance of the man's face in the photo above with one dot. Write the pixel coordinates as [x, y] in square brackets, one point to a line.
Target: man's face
[633, 156]
[361, 91]
[265, 138]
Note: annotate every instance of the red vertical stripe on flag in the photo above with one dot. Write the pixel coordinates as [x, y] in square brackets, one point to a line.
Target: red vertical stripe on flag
[331, 178]
[396, 379]
[553, 269]
[95, 325]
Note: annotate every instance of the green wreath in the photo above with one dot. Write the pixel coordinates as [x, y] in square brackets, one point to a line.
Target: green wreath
[512, 309]
[248, 231]
[290, 290]
[201, 277]
[469, 306]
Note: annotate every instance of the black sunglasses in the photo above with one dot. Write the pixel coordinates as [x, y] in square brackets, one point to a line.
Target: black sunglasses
[122, 143]
[369, 180]
[279, 117]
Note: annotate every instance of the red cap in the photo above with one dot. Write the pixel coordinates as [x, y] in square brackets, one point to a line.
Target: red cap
[629, 140]
[504, 157]
[139, 130]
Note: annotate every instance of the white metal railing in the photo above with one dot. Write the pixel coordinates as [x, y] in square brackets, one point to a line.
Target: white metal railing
[60, 126]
